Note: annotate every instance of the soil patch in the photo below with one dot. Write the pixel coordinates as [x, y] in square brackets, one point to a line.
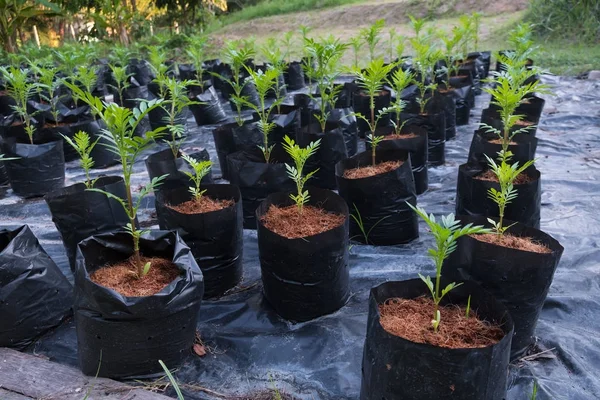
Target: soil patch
[489, 176]
[369, 170]
[289, 223]
[411, 320]
[121, 277]
[513, 242]
[205, 204]
[395, 136]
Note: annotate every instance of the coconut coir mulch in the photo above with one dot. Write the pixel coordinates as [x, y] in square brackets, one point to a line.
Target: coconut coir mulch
[489, 176]
[395, 136]
[370, 170]
[513, 242]
[203, 205]
[411, 320]
[289, 223]
[267, 395]
[122, 277]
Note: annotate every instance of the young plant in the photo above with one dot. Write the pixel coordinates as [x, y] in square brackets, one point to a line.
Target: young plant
[287, 42]
[324, 56]
[121, 124]
[371, 36]
[361, 224]
[20, 88]
[121, 78]
[48, 86]
[300, 156]
[391, 43]
[83, 146]
[445, 233]
[356, 42]
[424, 61]
[476, 18]
[157, 60]
[172, 380]
[201, 169]
[451, 54]
[399, 81]
[534, 392]
[276, 61]
[237, 54]
[196, 54]
[264, 82]
[176, 101]
[371, 81]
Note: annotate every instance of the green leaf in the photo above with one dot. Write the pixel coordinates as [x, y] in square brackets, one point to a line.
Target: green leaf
[146, 268]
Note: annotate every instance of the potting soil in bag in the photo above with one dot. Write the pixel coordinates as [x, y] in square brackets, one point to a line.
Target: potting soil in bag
[519, 279]
[34, 295]
[307, 277]
[215, 238]
[119, 336]
[395, 368]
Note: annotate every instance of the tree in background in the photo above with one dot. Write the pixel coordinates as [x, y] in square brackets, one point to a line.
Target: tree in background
[17, 14]
[189, 13]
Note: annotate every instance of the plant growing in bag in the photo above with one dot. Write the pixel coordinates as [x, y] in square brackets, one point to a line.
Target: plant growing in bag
[295, 172]
[20, 88]
[264, 82]
[371, 81]
[120, 127]
[86, 77]
[445, 234]
[399, 81]
[48, 86]
[83, 146]
[237, 54]
[451, 56]
[356, 43]
[276, 61]
[176, 101]
[323, 69]
[157, 60]
[372, 36]
[424, 61]
[196, 54]
[121, 80]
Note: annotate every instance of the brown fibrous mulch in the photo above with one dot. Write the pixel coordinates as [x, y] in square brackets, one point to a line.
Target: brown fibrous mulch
[524, 123]
[490, 176]
[370, 170]
[203, 205]
[290, 223]
[411, 320]
[122, 277]
[513, 242]
[395, 136]
[499, 141]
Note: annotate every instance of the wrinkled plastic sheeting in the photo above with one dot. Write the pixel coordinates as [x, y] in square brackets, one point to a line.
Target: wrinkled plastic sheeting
[321, 359]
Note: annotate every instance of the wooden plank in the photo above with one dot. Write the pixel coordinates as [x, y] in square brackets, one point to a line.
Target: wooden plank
[6, 395]
[37, 378]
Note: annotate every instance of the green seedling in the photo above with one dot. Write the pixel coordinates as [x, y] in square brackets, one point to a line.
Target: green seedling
[534, 392]
[371, 81]
[468, 307]
[451, 54]
[121, 78]
[20, 88]
[424, 61]
[4, 158]
[445, 233]
[372, 36]
[196, 54]
[324, 56]
[276, 61]
[399, 81]
[236, 54]
[157, 59]
[288, 42]
[200, 170]
[48, 86]
[295, 172]
[175, 103]
[392, 36]
[356, 44]
[264, 83]
[83, 146]
[121, 124]
[361, 225]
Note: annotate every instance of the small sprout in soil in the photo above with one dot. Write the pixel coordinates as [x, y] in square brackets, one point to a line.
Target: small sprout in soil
[83, 146]
[371, 81]
[445, 234]
[322, 68]
[468, 311]
[3, 158]
[361, 225]
[264, 83]
[300, 156]
[20, 88]
[201, 169]
[534, 392]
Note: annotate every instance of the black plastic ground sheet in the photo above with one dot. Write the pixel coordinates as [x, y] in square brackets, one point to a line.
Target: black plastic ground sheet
[251, 348]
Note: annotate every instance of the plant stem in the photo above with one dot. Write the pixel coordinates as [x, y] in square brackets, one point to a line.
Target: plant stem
[373, 129]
